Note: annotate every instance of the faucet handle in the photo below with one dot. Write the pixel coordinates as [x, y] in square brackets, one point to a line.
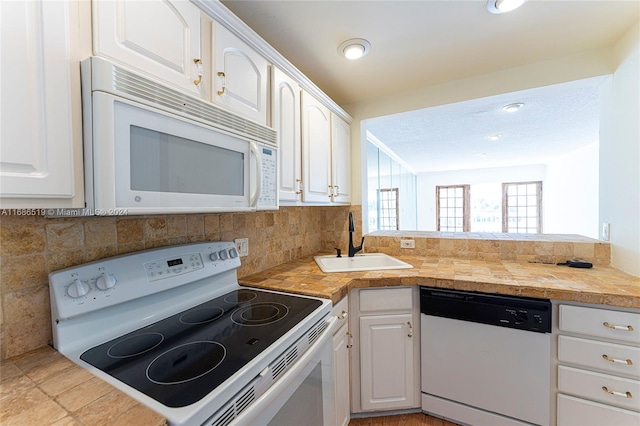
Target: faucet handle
[339, 252]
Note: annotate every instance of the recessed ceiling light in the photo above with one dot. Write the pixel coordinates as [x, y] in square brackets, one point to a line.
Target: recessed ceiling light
[354, 48]
[502, 6]
[495, 137]
[513, 107]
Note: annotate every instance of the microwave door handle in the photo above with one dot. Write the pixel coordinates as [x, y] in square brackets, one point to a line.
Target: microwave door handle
[253, 201]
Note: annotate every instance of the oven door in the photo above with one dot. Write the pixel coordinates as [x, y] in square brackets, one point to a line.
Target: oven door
[149, 161]
[304, 395]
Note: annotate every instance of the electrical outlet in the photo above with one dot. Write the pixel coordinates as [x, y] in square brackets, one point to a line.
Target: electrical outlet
[606, 229]
[242, 244]
[407, 244]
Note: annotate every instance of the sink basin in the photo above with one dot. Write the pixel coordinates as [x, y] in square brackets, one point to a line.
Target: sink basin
[360, 262]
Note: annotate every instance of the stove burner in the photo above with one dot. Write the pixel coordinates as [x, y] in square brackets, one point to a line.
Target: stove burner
[259, 314]
[186, 362]
[240, 296]
[201, 316]
[135, 345]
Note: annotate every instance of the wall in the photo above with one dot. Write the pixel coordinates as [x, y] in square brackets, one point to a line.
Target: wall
[570, 194]
[620, 154]
[31, 247]
[427, 183]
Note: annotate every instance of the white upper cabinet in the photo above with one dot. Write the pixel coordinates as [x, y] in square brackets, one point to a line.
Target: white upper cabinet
[40, 135]
[240, 76]
[326, 154]
[316, 150]
[285, 118]
[158, 38]
[340, 160]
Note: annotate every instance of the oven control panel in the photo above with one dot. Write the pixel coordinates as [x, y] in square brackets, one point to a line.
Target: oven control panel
[112, 281]
[172, 266]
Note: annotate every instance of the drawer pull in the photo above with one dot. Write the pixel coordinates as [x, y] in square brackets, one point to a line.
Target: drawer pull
[410, 329]
[619, 361]
[343, 316]
[618, 327]
[616, 393]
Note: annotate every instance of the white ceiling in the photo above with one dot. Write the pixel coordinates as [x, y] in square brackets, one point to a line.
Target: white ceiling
[422, 43]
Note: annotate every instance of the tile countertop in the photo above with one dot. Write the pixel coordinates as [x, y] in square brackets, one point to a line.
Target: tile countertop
[42, 387]
[597, 285]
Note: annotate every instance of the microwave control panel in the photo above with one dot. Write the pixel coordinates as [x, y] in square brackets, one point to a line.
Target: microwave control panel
[268, 199]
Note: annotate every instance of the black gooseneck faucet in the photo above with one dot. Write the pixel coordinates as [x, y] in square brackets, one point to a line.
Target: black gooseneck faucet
[353, 250]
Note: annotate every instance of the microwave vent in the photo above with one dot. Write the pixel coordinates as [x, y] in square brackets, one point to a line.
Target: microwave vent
[188, 106]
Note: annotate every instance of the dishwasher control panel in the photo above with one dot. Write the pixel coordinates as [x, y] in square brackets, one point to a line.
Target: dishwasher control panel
[522, 313]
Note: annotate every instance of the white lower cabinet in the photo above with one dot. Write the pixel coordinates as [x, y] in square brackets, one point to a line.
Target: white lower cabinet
[598, 367]
[386, 357]
[341, 346]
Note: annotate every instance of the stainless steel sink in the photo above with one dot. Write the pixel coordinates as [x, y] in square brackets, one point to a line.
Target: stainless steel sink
[360, 262]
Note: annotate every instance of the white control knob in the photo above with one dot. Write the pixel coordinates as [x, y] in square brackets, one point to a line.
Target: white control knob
[223, 255]
[77, 289]
[105, 282]
[214, 256]
[233, 252]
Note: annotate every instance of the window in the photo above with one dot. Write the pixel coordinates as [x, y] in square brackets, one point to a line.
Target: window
[517, 208]
[452, 208]
[522, 207]
[388, 209]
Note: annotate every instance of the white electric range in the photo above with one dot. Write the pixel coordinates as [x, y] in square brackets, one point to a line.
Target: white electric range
[172, 328]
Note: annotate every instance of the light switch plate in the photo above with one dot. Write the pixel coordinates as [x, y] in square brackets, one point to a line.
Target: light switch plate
[606, 229]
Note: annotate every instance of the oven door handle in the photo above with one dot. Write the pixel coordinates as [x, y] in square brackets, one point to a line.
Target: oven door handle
[249, 416]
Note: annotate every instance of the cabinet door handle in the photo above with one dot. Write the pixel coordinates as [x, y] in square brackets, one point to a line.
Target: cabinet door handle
[349, 341]
[300, 188]
[336, 190]
[410, 329]
[343, 316]
[618, 327]
[619, 361]
[198, 63]
[330, 192]
[616, 393]
[221, 91]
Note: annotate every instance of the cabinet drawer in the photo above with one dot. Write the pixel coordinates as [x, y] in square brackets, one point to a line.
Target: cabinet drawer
[618, 359]
[579, 412]
[591, 385]
[623, 326]
[385, 299]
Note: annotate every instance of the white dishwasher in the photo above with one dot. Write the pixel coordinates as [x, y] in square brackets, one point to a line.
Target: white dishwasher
[485, 358]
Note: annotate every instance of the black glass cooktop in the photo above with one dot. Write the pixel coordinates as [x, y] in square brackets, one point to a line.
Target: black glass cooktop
[179, 360]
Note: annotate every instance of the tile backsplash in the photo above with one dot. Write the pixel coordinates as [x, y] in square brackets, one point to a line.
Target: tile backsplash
[31, 247]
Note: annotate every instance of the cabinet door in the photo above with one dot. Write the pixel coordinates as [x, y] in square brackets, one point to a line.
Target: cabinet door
[386, 362]
[341, 159]
[240, 76]
[285, 118]
[160, 38]
[316, 150]
[38, 89]
[341, 376]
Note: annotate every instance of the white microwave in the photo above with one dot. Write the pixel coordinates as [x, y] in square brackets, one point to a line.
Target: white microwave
[150, 149]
